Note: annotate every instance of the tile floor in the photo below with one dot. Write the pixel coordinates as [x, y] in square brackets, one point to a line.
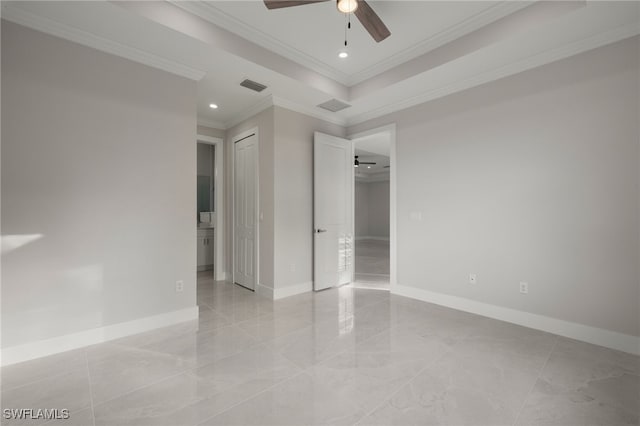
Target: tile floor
[342, 356]
[372, 264]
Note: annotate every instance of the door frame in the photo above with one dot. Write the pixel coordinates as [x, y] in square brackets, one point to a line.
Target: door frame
[256, 257]
[218, 172]
[393, 248]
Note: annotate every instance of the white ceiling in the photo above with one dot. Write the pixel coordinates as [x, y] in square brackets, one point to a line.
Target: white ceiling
[436, 48]
[316, 32]
[377, 143]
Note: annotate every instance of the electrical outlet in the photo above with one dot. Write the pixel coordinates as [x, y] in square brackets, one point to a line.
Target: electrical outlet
[473, 279]
[179, 286]
[415, 216]
[524, 287]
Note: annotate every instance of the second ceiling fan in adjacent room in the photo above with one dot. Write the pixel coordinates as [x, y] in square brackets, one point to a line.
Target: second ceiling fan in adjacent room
[357, 163]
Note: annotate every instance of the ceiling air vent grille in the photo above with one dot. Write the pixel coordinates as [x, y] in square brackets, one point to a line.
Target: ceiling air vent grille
[250, 84]
[334, 105]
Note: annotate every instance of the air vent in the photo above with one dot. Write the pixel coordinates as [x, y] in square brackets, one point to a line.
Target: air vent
[250, 84]
[334, 105]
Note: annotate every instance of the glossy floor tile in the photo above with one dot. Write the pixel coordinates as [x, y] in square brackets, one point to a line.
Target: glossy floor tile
[372, 264]
[199, 394]
[298, 401]
[585, 384]
[70, 391]
[372, 257]
[343, 356]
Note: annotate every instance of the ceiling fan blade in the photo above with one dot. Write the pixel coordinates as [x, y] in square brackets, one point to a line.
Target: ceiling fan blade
[279, 4]
[371, 21]
[364, 162]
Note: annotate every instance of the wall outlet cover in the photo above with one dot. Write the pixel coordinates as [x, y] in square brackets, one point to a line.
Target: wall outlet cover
[416, 216]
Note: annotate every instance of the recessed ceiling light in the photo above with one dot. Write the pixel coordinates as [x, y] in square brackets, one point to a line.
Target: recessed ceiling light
[213, 106]
[368, 167]
[343, 55]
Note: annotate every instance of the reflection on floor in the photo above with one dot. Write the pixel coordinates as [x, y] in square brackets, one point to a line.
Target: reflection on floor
[372, 265]
[341, 356]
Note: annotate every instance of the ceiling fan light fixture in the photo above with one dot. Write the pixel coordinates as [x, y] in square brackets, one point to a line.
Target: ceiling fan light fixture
[356, 163]
[347, 6]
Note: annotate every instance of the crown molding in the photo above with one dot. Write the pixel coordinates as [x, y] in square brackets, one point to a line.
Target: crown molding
[330, 117]
[21, 17]
[448, 35]
[212, 124]
[217, 17]
[270, 101]
[224, 20]
[546, 57]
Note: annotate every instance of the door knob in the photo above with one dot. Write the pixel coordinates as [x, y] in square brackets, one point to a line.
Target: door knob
[320, 230]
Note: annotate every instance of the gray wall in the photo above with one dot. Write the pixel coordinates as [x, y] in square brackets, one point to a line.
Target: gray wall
[379, 214]
[372, 209]
[211, 132]
[205, 159]
[361, 209]
[294, 194]
[531, 178]
[99, 164]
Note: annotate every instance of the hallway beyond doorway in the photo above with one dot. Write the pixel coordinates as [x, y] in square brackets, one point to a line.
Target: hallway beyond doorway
[372, 264]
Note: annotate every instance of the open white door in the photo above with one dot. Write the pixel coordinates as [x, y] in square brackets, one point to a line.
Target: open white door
[332, 211]
[244, 211]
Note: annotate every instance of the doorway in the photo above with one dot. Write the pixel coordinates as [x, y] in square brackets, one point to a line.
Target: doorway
[372, 206]
[209, 207]
[334, 211]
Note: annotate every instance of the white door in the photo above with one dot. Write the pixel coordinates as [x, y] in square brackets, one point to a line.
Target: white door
[244, 211]
[332, 211]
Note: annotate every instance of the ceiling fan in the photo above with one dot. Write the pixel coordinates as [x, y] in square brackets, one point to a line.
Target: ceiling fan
[357, 162]
[365, 14]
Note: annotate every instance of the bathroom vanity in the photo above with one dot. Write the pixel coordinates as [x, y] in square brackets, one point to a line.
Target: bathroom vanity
[206, 248]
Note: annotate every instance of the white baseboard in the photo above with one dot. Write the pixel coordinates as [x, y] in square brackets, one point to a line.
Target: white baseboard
[41, 348]
[585, 333]
[264, 291]
[292, 290]
[281, 293]
[223, 276]
[372, 238]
